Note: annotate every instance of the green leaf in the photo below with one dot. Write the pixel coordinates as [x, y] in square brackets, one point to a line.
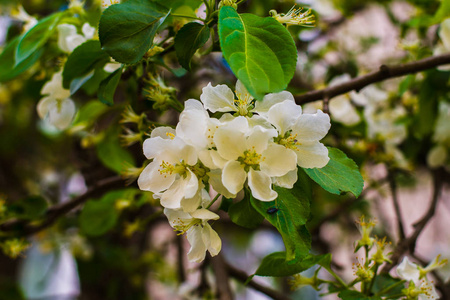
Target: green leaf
[82, 61]
[36, 37]
[260, 51]
[189, 38]
[78, 82]
[244, 214]
[341, 174]
[442, 13]
[355, 295]
[384, 281]
[289, 213]
[126, 30]
[99, 216]
[275, 264]
[111, 154]
[8, 69]
[108, 87]
[31, 207]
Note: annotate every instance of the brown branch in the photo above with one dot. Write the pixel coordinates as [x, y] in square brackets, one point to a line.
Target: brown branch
[409, 243]
[393, 186]
[24, 227]
[222, 278]
[384, 72]
[242, 276]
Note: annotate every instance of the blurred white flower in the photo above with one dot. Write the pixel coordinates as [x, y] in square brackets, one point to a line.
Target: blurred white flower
[56, 107]
[19, 13]
[108, 3]
[69, 39]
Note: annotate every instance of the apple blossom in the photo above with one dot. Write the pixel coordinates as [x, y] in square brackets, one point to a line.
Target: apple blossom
[69, 39]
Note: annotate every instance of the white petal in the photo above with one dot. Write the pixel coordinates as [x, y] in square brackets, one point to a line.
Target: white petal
[312, 127]
[242, 90]
[154, 146]
[204, 214]
[212, 240]
[278, 160]
[312, 155]
[197, 252]
[233, 176]
[259, 138]
[218, 98]
[407, 270]
[88, 31]
[263, 106]
[215, 180]
[65, 30]
[43, 106]
[61, 113]
[176, 216]
[286, 181]
[163, 132]
[74, 41]
[261, 185]
[190, 204]
[192, 127]
[54, 87]
[283, 115]
[111, 67]
[181, 188]
[230, 142]
[343, 111]
[152, 180]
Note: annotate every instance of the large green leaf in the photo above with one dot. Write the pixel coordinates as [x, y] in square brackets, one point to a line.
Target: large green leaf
[260, 51]
[189, 38]
[36, 37]
[289, 213]
[108, 87]
[244, 214]
[8, 68]
[275, 264]
[341, 174]
[82, 61]
[126, 30]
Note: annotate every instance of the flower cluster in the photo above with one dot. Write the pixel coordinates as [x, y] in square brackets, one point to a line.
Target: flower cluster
[253, 144]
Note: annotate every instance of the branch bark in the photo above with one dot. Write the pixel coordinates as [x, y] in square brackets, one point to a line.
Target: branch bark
[384, 72]
[25, 228]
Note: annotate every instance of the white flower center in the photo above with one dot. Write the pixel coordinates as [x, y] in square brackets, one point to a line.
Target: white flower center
[251, 159]
[243, 103]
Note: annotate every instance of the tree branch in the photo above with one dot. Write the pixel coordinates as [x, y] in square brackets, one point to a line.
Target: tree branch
[384, 72]
[222, 278]
[24, 227]
[242, 276]
[393, 186]
[409, 243]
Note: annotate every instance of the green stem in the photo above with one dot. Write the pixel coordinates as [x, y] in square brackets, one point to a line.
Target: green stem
[239, 2]
[337, 278]
[214, 200]
[187, 17]
[396, 296]
[373, 279]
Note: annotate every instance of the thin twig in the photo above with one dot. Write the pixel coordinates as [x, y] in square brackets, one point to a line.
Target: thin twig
[393, 186]
[23, 227]
[409, 243]
[242, 276]
[384, 72]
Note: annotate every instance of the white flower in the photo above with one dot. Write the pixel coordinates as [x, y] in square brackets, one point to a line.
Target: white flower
[69, 39]
[57, 107]
[199, 233]
[252, 156]
[442, 128]
[301, 133]
[108, 3]
[295, 16]
[437, 156]
[20, 14]
[171, 173]
[408, 271]
[444, 47]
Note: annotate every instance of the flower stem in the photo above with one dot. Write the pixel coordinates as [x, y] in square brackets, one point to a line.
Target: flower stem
[187, 17]
[214, 200]
[337, 277]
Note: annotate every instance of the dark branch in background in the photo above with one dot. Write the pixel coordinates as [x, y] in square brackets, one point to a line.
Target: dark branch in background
[222, 278]
[409, 243]
[384, 72]
[23, 227]
[393, 186]
[242, 277]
